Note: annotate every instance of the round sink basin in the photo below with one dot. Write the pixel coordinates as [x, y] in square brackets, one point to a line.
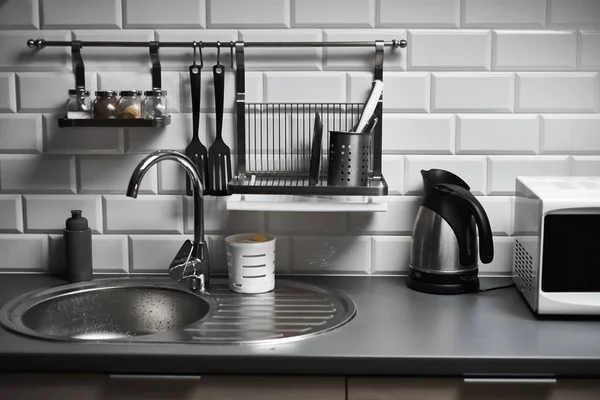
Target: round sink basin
[159, 310]
[93, 311]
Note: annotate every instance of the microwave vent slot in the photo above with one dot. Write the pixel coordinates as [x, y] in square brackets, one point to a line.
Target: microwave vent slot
[524, 266]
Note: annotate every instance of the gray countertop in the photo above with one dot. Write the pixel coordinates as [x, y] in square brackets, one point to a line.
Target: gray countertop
[396, 331]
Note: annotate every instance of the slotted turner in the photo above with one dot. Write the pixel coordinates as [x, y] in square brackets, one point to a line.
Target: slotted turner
[196, 151]
[219, 154]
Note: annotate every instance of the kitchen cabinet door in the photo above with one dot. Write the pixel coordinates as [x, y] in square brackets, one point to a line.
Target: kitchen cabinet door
[51, 386]
[385, 388]
[211, 387]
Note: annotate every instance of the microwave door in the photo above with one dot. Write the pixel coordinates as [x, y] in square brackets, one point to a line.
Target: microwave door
[571, 253]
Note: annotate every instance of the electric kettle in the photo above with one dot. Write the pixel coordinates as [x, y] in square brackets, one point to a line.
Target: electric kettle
[443, 251]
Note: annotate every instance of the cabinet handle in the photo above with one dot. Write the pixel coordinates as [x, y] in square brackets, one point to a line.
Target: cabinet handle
[543, 381]
[155, 377]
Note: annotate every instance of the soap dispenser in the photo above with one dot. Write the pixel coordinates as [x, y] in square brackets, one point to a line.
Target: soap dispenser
[78, 248]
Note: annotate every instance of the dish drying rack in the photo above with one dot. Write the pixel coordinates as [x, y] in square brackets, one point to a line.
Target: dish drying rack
[274, 141]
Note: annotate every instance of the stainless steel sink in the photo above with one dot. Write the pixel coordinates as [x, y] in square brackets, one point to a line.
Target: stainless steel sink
[162, 310]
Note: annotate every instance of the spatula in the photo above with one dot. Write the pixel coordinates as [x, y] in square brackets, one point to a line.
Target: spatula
[196, 151]
[219, 154]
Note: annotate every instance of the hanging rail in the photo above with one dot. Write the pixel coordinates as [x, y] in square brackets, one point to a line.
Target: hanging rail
[41, 43]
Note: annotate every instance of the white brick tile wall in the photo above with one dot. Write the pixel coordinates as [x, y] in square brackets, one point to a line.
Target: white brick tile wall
[303, 58]
[171, 178]
[333, 13]
[37, 174]
[455, 109]
[299, 87]
[110, 253]
[147, 214]
[306, 223]
[390, 254]
[503, 14]
[499, 212]
[11, 213]
[497, 134]
[444, 50]
[47, 212]
[472, 92]
[331, 255]
[218, 219]
[176, 136]
[14, 55]
[23, 252]
[110, 174]
[408, 91]
[398, 219]
[254, 90]
[585, 165]
[589, 50]
[570, 134]
[557, 92]
[80, 14]
[20, 133]
[56, 254]
[80, 140]
[154, 253]
[19, 14]
[573, 13]
[418, 13]
[115, 58]
[143, 81]
[502, 170]
[362, 58]
[418, 133]
[180, 59]
[53, 96]
[534, 50]
[393, 170]
[237, 14]
[159, 14]
[472, 169]
[8, 96]
[502, 262]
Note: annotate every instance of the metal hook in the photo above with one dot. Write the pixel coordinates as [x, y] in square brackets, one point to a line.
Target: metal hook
[200, 51]
[218, 52]
[194, 44]
[231, 52]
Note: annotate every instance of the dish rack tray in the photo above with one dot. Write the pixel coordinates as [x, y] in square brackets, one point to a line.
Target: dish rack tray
[274, 142]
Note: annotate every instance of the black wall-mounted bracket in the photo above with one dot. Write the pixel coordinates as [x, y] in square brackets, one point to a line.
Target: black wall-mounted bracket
[378, 133]
[156, 69]
[78, 64]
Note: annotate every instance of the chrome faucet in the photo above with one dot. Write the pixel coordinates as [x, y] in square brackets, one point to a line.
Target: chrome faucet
[191, 261]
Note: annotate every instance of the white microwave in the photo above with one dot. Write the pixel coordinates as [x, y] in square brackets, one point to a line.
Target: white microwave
[556, 258]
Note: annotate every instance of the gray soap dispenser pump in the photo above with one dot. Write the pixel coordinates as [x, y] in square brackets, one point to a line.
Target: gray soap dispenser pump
[78, 248]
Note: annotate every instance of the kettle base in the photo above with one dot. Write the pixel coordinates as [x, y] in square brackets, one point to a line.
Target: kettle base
[440, 284]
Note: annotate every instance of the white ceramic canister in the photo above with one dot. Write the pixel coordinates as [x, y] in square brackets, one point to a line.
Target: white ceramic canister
[251, 264]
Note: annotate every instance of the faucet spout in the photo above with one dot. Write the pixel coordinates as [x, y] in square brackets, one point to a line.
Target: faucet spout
[191, 262]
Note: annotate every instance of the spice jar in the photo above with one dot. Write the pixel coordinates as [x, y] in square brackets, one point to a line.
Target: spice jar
[155, 104]
[105, 105]
[79, 104]
[129, 105]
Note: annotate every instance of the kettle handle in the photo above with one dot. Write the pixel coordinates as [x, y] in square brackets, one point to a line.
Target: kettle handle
[486, 243]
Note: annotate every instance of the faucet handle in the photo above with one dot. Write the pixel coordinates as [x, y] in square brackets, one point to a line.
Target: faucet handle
[191, 262]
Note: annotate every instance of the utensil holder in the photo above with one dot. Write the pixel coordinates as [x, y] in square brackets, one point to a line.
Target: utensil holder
[251, 265]
[349, 155]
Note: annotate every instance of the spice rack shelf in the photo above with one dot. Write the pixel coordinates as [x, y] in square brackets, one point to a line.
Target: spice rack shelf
[114, 123]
